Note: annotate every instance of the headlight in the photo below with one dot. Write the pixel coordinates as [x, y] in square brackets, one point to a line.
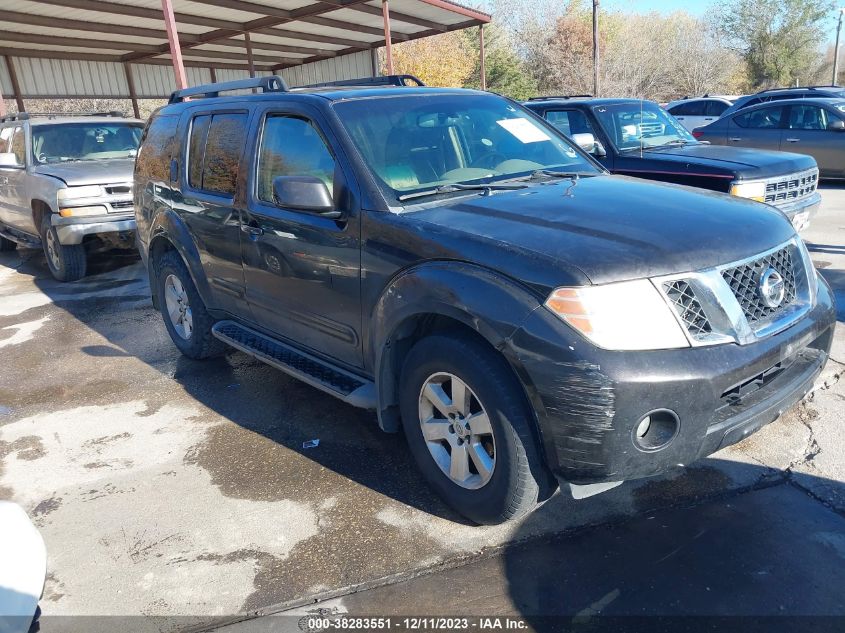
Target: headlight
[752, 190]
[623, 316]
[74, 193]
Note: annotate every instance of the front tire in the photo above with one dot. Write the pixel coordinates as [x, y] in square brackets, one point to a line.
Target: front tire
[185, 316]
[67, 262]
[470, 430]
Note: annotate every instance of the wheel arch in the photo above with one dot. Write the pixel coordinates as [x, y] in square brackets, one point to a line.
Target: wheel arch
[438, 298]
[170, 233]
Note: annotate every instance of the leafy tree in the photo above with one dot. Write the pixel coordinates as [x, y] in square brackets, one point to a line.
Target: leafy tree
[506, 72]
[779, 39]
[440, 60]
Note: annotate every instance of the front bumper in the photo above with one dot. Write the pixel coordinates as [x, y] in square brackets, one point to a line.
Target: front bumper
[72, 230]
[800, 213]
[590, 401]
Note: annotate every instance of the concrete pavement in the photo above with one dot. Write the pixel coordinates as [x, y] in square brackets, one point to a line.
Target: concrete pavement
[168, 487]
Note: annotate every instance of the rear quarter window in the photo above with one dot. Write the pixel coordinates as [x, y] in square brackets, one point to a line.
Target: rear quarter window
[157, 143]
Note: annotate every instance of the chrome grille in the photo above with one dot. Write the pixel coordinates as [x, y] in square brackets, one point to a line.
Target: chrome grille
[683, 299]
[784, 190]
[744, 282]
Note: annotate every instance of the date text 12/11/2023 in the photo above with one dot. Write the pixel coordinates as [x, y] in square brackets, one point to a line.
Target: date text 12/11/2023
[406, 623]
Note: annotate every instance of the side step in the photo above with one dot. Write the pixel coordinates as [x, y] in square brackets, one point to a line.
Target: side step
[352, 389]
[20, 238]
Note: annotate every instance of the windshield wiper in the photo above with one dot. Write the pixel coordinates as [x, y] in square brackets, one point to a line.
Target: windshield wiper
[485, 188]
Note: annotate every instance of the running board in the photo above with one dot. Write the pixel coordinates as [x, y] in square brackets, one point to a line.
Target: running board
[19, 238]
[352, 389]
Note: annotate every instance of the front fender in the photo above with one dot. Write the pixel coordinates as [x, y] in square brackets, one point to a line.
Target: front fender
[477, 298]
[168, 226]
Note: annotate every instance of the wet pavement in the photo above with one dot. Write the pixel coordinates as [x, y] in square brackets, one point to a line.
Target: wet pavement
[169, 487]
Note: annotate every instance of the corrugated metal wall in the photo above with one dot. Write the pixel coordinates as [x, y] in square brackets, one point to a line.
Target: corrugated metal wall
[346, 67]
[47, 78]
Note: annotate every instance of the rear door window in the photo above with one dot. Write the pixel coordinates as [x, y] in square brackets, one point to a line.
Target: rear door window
[214, 152]
[808, 117]
[763, 118]
[689, 108]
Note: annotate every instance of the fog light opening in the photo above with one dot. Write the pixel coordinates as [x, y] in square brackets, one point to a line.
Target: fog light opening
[656, 430]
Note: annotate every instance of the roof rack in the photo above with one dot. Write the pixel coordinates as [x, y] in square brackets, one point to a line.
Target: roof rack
[799, 88]
[381, 80]
[24, 116]
[274, 83]
[560, 97]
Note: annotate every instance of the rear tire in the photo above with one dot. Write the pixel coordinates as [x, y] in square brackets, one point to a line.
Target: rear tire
[479, 451]
[7, 245]
[67, 262]
[185, 316]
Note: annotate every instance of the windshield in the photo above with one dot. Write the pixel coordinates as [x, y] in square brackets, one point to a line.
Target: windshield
[64, 142]
[641, 125]
[420, 143]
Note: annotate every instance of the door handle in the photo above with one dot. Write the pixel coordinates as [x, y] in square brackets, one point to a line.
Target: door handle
[252, 231]
[708, 118]
[792, 140]
[735, 139]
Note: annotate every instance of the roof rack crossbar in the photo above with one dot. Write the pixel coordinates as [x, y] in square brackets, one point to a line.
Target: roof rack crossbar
[549, 97]
[798, 88]
[274, 83]
[381, 80]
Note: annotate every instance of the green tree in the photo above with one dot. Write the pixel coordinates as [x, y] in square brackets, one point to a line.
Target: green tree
[506, 72]
[779, 39]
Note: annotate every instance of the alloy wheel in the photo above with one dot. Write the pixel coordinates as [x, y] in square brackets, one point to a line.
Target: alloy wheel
[178, 307]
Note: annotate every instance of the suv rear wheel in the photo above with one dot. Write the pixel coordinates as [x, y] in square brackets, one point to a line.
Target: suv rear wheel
[469, 429]
[185, 317]
[67, 262]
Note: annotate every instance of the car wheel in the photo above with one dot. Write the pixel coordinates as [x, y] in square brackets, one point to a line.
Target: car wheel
[67, 262]
[469, 429]
[185, 316]
[7, 245]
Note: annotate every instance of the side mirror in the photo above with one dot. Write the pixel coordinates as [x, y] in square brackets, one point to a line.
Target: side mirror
[599, 151]
[585, 141]
[836, 126]
[8, 159]
[304, 193]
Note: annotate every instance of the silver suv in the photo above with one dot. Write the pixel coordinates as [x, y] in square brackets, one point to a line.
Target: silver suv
[66, 186]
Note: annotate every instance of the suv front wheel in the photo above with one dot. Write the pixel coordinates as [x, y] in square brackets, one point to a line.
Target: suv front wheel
[470, 430]
[67, 262]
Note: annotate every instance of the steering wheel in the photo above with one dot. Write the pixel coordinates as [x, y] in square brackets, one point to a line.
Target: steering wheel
[489, 161]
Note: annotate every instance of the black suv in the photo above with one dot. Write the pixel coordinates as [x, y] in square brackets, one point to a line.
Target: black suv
[779, 94]
[450, 260]
[633, 137]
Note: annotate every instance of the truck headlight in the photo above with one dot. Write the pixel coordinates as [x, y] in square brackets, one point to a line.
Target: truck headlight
[631, 315]
[752, 190]
[75, 193]
[80, 212]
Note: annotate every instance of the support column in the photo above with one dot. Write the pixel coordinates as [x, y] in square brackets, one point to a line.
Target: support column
[175, 47]
[130, 82]
[483, 63]
[213, 74]
[16, 87]
[249, 58]
[385, 12]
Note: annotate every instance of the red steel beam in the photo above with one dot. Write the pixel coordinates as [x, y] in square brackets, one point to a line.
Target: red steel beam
[175, 46]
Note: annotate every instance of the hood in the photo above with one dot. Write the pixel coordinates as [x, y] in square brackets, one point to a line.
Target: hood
[90, 172]
[611, 228]
[745, 163]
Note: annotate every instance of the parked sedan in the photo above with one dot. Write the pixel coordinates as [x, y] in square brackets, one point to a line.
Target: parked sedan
[808, 126]
[693, 113]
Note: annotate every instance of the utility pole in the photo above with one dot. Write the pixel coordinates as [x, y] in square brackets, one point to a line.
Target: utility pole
[836, 49]
[596, 47]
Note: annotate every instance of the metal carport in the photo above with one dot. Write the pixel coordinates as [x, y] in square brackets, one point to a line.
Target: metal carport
[136, 49]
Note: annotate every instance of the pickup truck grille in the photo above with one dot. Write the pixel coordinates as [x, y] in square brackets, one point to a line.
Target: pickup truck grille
[787, 189]
[744, 281]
